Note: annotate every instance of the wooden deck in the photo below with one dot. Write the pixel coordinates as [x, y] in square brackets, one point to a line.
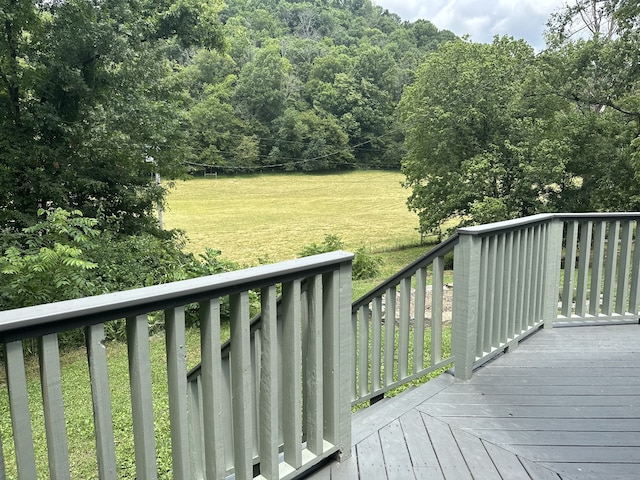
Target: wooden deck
[564, 405]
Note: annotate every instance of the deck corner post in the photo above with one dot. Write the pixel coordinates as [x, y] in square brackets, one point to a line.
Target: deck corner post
[466, 293]
[346, 367]
[552, 265]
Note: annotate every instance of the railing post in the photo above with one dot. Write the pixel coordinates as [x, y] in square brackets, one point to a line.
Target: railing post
[552, 265]
[466, 291]
[338, 367]
[346, 379]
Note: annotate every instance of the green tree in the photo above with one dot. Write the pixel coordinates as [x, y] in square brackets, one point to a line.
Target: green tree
[307, 142]
[598, 74]
[260, 93]
[478, 136]
[85, 97]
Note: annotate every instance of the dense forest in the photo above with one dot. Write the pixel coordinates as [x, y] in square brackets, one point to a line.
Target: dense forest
[89, 90]
[97, 96]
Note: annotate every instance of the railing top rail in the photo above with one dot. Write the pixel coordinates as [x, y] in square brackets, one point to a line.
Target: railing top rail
[439, 250]
[508, 225]
[42, 319]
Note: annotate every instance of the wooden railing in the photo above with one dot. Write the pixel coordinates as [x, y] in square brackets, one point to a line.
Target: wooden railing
[292, 413]
[510, 279]
[398, 327]
[275, 399]
[600, 283]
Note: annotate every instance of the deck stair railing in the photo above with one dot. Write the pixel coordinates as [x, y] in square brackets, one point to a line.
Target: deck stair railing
[291, 413]
[398, 327]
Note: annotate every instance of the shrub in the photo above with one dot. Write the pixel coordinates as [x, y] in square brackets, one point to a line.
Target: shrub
[51, 265]
[365, 264]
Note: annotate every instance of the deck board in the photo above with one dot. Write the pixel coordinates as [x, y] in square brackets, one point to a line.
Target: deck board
[564, 405]
[396, 454]
[476, 456]
[418, 443]
[370, 460]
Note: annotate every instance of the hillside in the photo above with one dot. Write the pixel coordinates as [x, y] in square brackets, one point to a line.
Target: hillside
[304, 86]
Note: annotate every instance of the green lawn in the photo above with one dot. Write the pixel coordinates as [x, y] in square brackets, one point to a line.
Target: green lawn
[271, 217]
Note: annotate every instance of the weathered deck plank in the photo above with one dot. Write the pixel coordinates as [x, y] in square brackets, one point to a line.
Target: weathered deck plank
[564, 405]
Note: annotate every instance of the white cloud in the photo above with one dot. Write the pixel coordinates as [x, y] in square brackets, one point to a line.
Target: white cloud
[482, 20]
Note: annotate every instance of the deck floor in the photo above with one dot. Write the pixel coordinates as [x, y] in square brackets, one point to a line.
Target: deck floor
[564, 405]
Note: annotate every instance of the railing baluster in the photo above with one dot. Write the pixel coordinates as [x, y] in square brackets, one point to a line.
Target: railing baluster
[536, 280]
[354, 353]
[363, 352]
[622, 287]
[611, 264]
[569, 269]
[19, 407]
[507, 312]
[177, 383]
[610, 267]
[376, 342]
[586, 229]
[437, 292]
[523, 269]
[596, 268]
[529, 297]
[141, 396]
[292, 392]
[544, 272]
[634, 291]
[483, 343]
[314, 374]
[214, 463]
[101, 398]
[389, 334]
[403, 339]
[418, 321]
[331, 348]
[493, 330]
[53, 406]
[500, 333]
[196, 428]
[240, 359]
[269, 385]
[515, 288]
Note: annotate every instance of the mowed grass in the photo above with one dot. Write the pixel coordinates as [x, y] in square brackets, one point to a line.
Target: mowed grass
[271, 217]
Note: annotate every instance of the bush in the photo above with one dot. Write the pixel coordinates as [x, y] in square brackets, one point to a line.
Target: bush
[51, 264]
[365, 264]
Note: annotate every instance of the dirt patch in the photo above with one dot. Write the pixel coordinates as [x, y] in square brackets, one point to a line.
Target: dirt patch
[447, 305]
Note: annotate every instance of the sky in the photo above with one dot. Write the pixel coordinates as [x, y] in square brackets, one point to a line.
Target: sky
[481, 19]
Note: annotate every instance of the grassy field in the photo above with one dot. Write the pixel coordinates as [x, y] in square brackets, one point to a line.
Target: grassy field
[271, 217]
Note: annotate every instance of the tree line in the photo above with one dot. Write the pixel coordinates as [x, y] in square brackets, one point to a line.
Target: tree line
[89, 90]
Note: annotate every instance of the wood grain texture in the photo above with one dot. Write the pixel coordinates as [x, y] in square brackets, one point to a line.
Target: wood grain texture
[565, 405]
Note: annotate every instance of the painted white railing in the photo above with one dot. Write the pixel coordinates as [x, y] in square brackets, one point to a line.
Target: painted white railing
[292, 413]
